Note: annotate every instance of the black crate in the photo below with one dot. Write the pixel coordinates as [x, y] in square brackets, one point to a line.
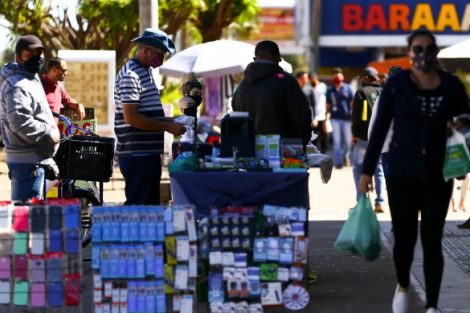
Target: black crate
[86, 158]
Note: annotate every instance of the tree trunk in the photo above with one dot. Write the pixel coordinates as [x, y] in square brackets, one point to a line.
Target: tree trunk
[211, 34]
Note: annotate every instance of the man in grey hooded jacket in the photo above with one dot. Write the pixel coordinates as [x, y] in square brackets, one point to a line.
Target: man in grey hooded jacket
[28, 131]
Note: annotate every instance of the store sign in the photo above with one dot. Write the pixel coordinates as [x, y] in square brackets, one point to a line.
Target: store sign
[405, 17]
[275, 24]
[90, 80]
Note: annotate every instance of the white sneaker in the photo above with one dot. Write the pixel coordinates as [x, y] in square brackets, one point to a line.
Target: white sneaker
[400, 302]
[432, 310]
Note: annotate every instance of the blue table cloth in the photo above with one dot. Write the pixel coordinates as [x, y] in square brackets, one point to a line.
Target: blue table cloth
[208, 189]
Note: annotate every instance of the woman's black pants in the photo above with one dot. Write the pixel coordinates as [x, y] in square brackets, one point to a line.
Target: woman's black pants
[406, 198]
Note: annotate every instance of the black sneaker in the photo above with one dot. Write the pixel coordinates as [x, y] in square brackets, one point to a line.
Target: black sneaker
[465, 225]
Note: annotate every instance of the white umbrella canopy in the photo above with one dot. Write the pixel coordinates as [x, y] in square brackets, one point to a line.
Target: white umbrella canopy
[215, 58]
[457, 51]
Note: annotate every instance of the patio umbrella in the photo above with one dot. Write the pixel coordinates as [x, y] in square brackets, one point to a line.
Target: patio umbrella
[215, 58]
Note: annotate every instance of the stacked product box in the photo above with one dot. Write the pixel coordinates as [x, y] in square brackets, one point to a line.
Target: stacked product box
[141, 256]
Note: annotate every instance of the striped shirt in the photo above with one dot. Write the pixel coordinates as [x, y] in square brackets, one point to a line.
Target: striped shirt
[135, 85]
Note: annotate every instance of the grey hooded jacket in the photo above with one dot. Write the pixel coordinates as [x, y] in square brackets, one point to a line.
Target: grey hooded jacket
[26, 119]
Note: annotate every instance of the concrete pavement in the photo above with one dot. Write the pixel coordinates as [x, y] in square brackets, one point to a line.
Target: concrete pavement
[346, 283]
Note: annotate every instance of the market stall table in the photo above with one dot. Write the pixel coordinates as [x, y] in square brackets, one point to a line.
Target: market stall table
[206, 189]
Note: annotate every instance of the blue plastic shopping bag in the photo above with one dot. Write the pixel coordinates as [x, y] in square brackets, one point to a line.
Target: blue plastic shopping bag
[361, 232]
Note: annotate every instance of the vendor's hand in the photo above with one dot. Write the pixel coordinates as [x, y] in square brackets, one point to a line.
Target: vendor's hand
[354, 141]
[314, 123]
[176, 129]
[55, 135]
[365, 184]
[81, 111]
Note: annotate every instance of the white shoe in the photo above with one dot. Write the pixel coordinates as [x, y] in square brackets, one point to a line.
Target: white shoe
[432, 310]
[400, 302]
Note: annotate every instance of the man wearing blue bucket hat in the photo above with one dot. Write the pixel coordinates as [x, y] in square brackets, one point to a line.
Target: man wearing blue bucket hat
[140, 122]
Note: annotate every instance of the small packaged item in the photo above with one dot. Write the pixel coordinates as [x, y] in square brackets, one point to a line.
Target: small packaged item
[215, 221]
[20, 293]
[283, 274]
[225, 231]
[228, 259]
[271, 294]
[245, 220]
[191, 224]
[54, 294]
[158, 250]
[226, 243]
[20, 266]
[296, 273]
[216, 288]
[225, 221]
[214, 231]
[232, 289]
[5, 270]
[38, 295]
[170, 245]
[240, 259]
[244, 288]
[260, 250]
[245, 231]
[125, 219]
[287, 251]
[169, 279]
[72, 216]
[285, 230]
[72, 291]
[235, 243]
[300, 251]
[273, 249]
[235, 221]
[20, 218]
[38, 270]
[253, 273]
[302, 215]
[268, 271]
[20, 244]
[5, 292]
[235, 231]
[254, 288]
[182, 249]
[179, 220]
[140, 261]
[215, 258]
[6, 241]
[255, 308]
[181, 277]
[193, 260]
[160, 296]
[149, 259]
[228, 273]
[215, 243]
[246, 243]
[186, 303]
[298, 229]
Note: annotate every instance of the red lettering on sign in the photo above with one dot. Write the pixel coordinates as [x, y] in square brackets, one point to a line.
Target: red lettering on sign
[375, 18]
[399, 14]
[352, 17]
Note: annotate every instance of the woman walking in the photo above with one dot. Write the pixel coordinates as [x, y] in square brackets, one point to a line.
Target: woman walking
[421, 101]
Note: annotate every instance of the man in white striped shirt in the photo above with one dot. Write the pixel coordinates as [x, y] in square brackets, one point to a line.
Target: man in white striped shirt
[140, 121]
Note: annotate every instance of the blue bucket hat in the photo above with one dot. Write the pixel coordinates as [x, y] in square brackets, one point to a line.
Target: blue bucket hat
[156, 38]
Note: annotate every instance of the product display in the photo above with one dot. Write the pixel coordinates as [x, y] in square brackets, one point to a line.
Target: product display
[40, 255]
[142, 254]
[255, 274]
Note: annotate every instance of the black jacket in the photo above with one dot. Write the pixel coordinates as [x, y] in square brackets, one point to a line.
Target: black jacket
[274, 101]
[363, 103]
[408, 155]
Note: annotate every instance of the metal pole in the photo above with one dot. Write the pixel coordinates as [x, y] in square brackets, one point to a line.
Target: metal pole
[315, 24]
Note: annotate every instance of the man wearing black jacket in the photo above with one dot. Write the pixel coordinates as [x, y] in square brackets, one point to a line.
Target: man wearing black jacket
[361, 112]
[272, 97]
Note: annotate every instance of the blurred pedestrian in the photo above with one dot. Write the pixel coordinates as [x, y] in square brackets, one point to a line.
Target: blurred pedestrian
[304, 83]
[29, 131]
[273, 97]
[339, 99]
[319, 122]
[363, 103]
[140, 121]
[384, 156]
[421, 102]
[57, 95]
[383, 78]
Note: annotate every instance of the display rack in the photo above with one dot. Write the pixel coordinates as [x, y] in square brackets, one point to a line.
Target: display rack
[40, 259]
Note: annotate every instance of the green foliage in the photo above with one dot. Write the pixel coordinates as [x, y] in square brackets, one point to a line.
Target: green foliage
[171, 94]
[8, 56]
[215, 15]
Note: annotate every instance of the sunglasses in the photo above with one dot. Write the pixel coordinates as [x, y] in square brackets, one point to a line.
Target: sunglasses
[158, 54]
[421, 49]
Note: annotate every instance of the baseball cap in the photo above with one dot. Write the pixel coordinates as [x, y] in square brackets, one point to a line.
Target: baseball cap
[28, 42]
[267, 47]
[371, 72]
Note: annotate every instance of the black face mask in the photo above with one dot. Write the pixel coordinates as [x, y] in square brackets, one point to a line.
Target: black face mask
[34, 65]
[192, 110]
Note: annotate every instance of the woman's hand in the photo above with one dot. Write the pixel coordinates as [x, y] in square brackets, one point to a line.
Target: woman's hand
[365, 184]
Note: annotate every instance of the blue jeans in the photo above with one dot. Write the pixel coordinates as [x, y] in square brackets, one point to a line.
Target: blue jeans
[142, 175]
[342, 137]
[358, 159]
[27, 181]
